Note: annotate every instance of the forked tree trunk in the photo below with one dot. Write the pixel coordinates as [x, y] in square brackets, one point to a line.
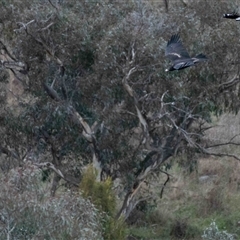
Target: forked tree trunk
[131, 199]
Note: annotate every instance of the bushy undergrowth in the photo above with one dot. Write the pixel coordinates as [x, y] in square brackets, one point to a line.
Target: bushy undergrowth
[28, 212]
[213, 233]
[102, 196]
[188, 216]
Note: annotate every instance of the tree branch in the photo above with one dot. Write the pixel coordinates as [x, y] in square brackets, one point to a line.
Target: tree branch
[49, 165]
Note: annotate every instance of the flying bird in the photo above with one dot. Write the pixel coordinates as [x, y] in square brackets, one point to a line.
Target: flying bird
[233, 15]
[179, 56]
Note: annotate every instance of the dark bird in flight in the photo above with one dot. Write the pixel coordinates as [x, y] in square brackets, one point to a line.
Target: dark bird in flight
[179, 56]
[233, 15]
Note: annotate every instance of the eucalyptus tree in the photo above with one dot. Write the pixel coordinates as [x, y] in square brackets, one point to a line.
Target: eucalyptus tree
[95, 90]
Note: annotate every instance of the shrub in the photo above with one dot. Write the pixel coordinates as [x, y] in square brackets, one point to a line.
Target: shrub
[28, 212]
[102, 196]
[213, 233]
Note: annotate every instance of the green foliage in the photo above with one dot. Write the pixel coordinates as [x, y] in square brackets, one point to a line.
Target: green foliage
[114, 228]
[85, 57]
[102, 196]
[100, 193]
[28, 212]
[98, 42]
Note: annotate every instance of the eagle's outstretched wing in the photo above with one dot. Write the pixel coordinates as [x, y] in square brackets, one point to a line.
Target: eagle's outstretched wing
[232, 15]
[175, 49]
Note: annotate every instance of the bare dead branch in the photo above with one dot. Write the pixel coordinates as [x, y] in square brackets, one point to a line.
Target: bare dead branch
[87, 132]
[225, 143]
[230, 83]
[57, 171]
[133, 54]
[130, 91]
[45, 28]
[53, 5]
[222, 155]
[165, 183]
[19, 66]
[51, 92]
[24, 25]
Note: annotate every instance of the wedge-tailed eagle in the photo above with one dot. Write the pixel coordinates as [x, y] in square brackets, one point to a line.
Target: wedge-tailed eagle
[179, 56]
[233, 15]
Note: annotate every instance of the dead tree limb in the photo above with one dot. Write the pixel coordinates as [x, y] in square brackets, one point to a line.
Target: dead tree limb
[87, 132]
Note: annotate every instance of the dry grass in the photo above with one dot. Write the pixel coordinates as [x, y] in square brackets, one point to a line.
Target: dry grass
[189, 205]
[222, 172]
[227, 128]
[191, 201]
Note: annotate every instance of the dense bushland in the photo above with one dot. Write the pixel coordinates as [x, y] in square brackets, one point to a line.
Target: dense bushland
[83, 82]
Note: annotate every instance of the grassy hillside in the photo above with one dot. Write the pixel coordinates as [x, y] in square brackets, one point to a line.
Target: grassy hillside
[192, 200]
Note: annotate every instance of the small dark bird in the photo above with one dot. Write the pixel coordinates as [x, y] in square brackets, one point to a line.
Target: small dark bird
[180, 58]
[233, 15]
